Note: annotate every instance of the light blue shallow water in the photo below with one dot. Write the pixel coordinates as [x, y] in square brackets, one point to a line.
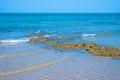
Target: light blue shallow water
[17, 29]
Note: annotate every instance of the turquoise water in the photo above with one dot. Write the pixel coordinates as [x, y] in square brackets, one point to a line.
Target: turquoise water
[17, 29]
[18, 26]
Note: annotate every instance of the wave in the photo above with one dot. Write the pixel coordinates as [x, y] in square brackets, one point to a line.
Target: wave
[47, 35]
[104, 33]
[88, 35]
[14, 40]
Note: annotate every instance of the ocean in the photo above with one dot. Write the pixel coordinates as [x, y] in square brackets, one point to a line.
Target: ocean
[24, 60]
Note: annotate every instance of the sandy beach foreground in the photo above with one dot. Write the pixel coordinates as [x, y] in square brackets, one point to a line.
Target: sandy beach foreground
[50, 64]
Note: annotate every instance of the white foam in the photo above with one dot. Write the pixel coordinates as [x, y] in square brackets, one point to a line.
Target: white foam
[38, 31]
[88, 35]
[46, 36]
[14, 41]
[49, 35]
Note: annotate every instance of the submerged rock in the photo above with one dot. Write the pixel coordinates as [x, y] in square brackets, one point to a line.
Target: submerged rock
[42, 39]
[91, 48]
[103, 51]
[53, 44]
[70, 45]
[88, 45]
[75, 45]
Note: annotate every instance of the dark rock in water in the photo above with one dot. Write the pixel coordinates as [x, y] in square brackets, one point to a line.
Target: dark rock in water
[42, 39]
[52, 43]
[69, 45]
[76, 45]
[90, 47]
[103, 51]
[118, 55]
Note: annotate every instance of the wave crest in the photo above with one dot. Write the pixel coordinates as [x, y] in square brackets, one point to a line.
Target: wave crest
[88, 35]
[14, 40]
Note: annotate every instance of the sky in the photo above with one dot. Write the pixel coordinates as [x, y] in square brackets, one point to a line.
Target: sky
[59, 6]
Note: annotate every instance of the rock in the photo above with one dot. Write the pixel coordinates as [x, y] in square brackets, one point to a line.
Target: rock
[103, 51]
[42, 39]
[118, 55]
[91, 48]
[70, 45]
[54, 44]
[89, 45]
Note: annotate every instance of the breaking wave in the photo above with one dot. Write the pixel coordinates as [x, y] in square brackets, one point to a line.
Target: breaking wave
[14, 40]
[88, 35]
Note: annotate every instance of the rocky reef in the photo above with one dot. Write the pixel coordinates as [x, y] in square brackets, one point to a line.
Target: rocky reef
[42, 39]
[69, 45]
[104, 51]
[92, 48]
[72, 45]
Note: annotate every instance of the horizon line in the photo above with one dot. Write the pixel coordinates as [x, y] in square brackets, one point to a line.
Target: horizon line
[59, 12]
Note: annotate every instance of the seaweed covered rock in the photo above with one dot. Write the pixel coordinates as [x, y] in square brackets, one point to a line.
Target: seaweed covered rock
[52, 43]
[118, 55]
[103, 51]
[42, 39]
[76, 45]
[68, 45]
[91, 48]
[89, 45]
[71, 45]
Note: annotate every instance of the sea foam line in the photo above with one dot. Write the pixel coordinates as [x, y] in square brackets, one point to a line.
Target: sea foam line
[14, 41]
[88, 35]
[32, 68]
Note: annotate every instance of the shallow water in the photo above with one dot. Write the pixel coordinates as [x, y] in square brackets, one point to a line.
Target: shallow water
[77, 65]
[23, 60]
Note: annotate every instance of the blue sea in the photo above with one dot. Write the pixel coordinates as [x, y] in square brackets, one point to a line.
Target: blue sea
[23, 60]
